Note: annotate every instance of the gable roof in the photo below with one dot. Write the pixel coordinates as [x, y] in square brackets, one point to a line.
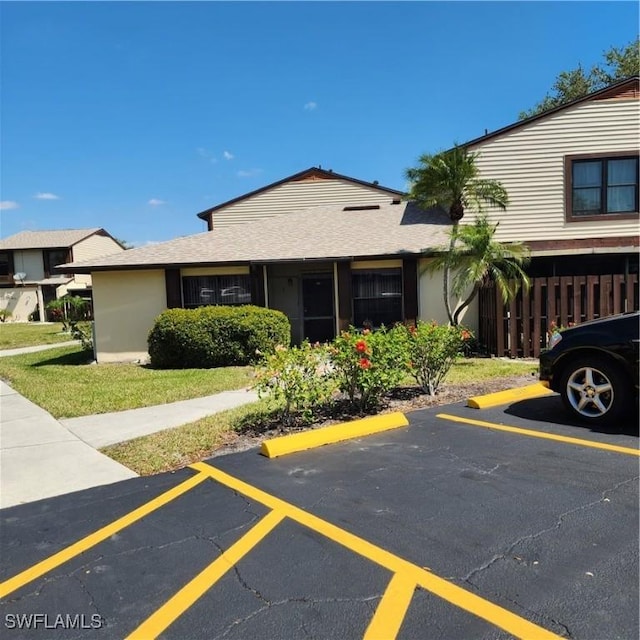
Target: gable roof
[312, 172]
[58, 239]
[608, 92]
[327, 232]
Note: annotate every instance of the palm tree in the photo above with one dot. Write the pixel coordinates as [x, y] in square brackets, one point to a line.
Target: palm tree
[450, 180]
[478, 257]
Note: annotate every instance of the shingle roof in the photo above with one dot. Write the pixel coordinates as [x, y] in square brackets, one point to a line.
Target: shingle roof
[320, 232]
[61, 238]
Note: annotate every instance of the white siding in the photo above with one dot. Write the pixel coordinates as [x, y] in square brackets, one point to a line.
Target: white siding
[29, 261]
[529, 162]
[295, 196]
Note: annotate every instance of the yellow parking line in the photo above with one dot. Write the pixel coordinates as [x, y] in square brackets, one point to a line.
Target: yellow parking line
[494, 614]
[153, 626]
[392, 609]
[50, 563]
[541, 434]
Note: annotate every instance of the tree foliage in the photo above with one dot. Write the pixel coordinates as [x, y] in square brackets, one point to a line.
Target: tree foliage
[618, 64]
[451, 180]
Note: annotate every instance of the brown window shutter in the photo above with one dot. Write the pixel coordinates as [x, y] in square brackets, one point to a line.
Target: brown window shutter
[410, 289]
[345, 313]
[173, 287]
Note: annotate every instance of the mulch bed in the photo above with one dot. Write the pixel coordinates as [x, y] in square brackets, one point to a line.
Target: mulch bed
[404, 399]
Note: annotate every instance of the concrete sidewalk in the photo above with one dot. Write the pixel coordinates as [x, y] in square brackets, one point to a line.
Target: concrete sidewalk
[42, 347]
[109, 428]
[39, 458]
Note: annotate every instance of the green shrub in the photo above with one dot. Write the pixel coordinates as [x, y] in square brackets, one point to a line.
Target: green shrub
[431, 349]
[299, 378]
[5, 314]
[220, 336]
[368, 364]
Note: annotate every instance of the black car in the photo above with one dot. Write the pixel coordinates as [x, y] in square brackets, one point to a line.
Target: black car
[594, 367]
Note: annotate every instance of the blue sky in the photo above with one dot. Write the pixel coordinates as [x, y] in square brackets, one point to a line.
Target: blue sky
[135, 116]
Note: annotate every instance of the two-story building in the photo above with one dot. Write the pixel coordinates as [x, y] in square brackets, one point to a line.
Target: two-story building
[28, 280]
[329, 250]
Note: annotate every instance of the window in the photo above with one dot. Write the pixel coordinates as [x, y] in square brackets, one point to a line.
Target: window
[5, 264]
[602, 186]
[377, 297]
[199, 291]
[52, 258]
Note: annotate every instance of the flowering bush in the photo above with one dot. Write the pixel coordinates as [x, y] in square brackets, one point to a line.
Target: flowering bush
[298, 377]
[367, 364]
[431, 349]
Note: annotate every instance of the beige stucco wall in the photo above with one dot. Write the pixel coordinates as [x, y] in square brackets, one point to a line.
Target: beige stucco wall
[29, 261]
[431, 302]
[20, 301]
[125, 305]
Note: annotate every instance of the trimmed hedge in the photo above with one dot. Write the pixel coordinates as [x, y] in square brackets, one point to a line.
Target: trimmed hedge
[219, 336]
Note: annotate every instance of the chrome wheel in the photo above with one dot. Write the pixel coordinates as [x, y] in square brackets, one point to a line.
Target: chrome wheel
[589, 392]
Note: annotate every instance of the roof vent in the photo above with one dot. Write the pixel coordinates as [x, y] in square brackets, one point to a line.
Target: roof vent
[396, 201]
[362, 207]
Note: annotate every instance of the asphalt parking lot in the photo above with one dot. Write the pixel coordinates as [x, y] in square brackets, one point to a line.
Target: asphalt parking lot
[498, 523]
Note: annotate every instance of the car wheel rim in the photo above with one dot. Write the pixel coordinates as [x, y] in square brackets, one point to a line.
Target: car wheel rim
[590, 392]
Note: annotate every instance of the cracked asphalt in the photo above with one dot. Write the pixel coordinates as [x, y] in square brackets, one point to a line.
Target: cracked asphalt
[544, 529]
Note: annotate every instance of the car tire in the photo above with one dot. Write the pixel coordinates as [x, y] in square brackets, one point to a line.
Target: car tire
[595, 389]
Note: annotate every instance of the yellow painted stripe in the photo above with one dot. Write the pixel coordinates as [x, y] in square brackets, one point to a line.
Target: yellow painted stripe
[153, 626]
[329, 435]
[502, 618]
[542, 434]
[509, 395]
[392, 609]
[50, 563]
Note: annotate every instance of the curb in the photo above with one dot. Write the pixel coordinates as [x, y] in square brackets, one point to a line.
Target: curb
[510, 395]
[329, 435]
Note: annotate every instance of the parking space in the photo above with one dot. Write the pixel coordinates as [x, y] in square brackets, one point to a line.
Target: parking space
[465, 524]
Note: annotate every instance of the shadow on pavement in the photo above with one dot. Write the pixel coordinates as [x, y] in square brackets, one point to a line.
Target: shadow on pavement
[551, 410]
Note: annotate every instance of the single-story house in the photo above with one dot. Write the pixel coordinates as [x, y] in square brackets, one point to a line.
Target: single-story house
[28, 280]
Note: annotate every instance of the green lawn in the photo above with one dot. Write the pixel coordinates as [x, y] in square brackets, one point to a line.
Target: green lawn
[62, 382]
[30, 334]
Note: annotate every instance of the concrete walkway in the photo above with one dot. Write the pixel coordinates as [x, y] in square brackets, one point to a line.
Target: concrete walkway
[109, 428]
[42, 347]
[39, 458]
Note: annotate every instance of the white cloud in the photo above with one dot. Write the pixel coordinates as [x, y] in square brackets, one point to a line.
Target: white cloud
[155, 202]
[136, 244]
[227, 155]
[8, 204]
[248, 173]
[310, 106]
[46, 196]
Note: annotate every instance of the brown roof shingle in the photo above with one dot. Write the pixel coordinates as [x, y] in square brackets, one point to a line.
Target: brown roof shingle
[317, 233]
[60, 238]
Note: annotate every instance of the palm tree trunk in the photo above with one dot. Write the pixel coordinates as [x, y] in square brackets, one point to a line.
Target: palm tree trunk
[464, 305]
[447, 273]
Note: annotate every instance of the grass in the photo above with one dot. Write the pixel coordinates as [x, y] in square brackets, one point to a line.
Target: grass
[30, 334]
[62, 382]
[177, 447]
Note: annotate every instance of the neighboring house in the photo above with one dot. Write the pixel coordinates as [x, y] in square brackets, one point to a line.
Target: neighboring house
[572, 176]
[330, 251]
[28, 280]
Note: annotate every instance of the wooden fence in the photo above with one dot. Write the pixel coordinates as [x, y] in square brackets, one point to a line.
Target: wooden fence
[520, 329]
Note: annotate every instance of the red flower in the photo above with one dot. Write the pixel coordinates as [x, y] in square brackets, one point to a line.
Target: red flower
[413, 330]
[465, 334]
[361, 346]
[365, 363]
